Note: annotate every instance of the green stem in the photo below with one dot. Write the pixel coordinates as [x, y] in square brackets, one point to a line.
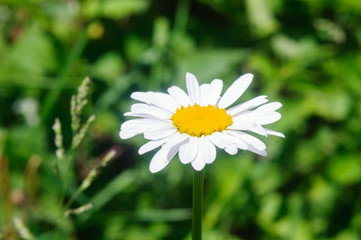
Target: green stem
[197, 205]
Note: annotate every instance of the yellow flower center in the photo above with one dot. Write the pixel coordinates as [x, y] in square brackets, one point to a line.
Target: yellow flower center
[197, 121]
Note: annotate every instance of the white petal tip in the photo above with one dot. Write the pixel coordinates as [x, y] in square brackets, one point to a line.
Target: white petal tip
[191, 77]
[263, 153]
[124, 135]
[158, 166]
[198, 167]
[249, 75]
[153, 170]
[134, 94]
[198, 170]
[217, 81]
[274, 133]
[232, 150]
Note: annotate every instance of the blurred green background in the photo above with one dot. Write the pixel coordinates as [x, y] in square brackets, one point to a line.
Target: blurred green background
[303, 53]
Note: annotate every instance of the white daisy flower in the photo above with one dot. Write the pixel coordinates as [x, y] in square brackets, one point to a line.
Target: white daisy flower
[194, 124]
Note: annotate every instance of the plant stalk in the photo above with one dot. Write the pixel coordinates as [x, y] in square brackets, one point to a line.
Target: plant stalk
[198, 179]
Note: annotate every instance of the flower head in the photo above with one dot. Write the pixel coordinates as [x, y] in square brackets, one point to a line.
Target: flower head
[194, 124]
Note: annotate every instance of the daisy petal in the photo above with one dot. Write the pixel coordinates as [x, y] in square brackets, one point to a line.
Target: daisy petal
[204, 92]
[274, 133]
[254, 102]
[217, 140]
[248, 126]
[179, 95]
[256, 128]
[237, 141]
[161, 159]
[209, 147]
[235, 90]
[222, 141]
[149, 146]
[215, 91]
[240, 125]
[204, 149]
[158, 133]
[188, 151]
[261, 118]
[146, 97]
[265, 118]
[135, 125]
[269, 107]
[198, 163]
[125, 135]
[176, 139]
[154, 99]
[147, 111]
[259, 152]
[249, 139]
[193, 88]
[167, 99]
[142, 125]
[231, 149]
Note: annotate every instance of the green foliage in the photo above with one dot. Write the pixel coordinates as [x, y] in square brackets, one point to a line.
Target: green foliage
[303, 53]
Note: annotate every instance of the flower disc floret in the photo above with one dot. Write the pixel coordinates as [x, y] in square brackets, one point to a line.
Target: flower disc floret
[201, 120]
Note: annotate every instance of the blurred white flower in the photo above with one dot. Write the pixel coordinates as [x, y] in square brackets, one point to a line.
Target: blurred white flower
[28, 108]
[194, 124]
